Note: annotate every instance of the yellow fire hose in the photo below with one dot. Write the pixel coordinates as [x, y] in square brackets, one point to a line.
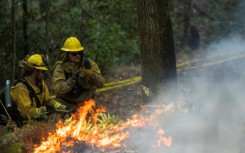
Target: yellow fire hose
[180, 67]
[217, 62]
[117, 84]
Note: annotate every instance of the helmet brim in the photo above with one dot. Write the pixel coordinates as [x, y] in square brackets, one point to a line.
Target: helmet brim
[72, 50]
[44, 68]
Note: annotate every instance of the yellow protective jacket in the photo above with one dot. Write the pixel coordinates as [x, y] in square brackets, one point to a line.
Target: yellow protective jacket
[27, 107]
[64, 86]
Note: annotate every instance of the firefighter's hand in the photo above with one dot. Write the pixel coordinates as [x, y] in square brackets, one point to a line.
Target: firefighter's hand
[80, 75]
[61, 107]
[41, 110]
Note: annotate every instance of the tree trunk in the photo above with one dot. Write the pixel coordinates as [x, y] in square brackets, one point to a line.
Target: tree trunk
[25, 25]
[46, 27]
[157, 45]
[190, 36]
[187, 12]
[13, 38]
[44, 9]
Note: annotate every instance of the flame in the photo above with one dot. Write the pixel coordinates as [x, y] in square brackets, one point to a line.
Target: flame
[161, 139]
[84, 127]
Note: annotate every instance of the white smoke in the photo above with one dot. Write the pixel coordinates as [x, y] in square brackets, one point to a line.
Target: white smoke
[214, 96]
[234, 43]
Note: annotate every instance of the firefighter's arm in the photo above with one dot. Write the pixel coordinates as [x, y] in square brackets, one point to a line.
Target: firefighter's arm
[60, 84]
[23, 102]
[94, 75]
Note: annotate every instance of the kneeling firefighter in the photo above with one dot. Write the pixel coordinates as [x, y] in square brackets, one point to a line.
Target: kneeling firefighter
[76, 78]
[30, 94]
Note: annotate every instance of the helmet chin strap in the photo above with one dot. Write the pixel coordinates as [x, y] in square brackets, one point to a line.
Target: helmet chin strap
[45, 60]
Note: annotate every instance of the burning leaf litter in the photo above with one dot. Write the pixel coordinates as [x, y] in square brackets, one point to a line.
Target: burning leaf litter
[93, 128]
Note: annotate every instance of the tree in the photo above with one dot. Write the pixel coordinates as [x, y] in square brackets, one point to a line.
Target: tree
[25, 24]
[187, 19]
[13, 37]
[191, 34]
[157, 45]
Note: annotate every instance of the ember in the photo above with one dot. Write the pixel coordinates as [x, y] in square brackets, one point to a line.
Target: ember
[85, 128]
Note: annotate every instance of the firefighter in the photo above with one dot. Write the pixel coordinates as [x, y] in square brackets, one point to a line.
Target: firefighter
[30, 94]
[76, 78]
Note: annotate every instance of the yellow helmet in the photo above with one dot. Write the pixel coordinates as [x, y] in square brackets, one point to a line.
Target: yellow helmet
[35, 61]
[72, 44]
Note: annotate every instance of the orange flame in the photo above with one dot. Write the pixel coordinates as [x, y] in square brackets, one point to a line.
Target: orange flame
[83, 127]
[161, 139]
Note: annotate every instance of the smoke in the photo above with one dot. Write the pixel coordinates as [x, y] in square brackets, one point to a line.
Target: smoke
[234, 43]
[214, 97]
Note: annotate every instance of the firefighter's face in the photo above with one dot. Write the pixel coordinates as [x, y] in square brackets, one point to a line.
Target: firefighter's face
[75, 57]
[39, 74]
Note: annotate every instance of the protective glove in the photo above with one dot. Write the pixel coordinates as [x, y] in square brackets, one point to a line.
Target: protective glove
[59, 106]
[62, 107]
[41, 110]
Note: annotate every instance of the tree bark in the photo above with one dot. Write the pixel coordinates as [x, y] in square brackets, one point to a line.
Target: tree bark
[25, 26]
[187, 12]
[157, 45]
[46, 27]
[13, 38]
[44, 9]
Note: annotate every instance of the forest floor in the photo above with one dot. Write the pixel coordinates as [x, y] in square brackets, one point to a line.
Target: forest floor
[124, 102]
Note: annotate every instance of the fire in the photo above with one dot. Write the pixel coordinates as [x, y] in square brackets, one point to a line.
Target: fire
[84, 127]
[161, 139]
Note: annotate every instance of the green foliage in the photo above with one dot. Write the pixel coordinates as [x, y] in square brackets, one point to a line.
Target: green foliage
[107, 29]
[15, 148]
[5, 37]
[105, 48]
[107, 120]
[96, 23]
